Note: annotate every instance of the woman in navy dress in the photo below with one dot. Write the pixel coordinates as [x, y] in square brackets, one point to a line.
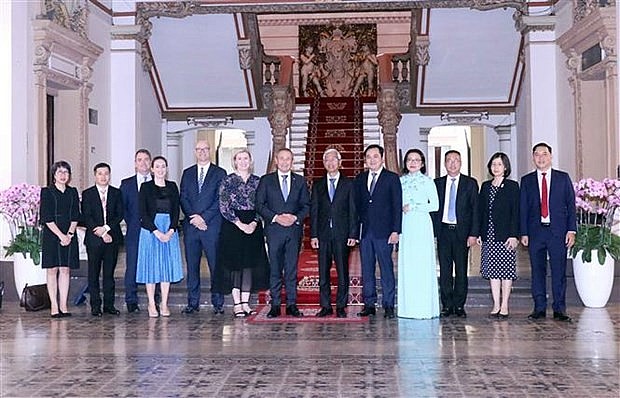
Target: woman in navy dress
[242, 265]
[499, 231]
[60, 212]
[159, 253]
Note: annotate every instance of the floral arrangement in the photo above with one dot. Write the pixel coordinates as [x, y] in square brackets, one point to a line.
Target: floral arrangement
[596, 202]
[20, 205]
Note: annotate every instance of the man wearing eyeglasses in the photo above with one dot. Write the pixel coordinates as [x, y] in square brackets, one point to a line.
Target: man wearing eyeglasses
[200, 186]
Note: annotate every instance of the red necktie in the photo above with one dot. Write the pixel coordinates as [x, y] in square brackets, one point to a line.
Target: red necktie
[544, 205]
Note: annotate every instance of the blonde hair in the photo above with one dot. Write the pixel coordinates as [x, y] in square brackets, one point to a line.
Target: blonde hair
[234, 158]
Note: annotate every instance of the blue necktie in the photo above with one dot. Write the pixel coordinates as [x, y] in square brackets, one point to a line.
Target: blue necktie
[284, 187]
[201, 179]
[373, 182]
[332, 189]
[452, 202]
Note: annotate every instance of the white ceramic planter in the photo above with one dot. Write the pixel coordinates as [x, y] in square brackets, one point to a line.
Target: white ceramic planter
[594, 281]
[25, 272]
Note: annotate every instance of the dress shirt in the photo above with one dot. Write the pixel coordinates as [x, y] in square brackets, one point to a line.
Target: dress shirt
[548, 177]
[337, 178]
[446, 203]
[203, 166]
[140, 179]
[369, 180]
[103, 193]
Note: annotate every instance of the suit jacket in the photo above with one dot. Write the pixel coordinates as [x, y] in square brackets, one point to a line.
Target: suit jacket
[270, 202]
[382, 212]
[341, 211]
[467, 221]
[92, 215]
[207, 202]
[131, 207]
[561, 205]
[505, 210]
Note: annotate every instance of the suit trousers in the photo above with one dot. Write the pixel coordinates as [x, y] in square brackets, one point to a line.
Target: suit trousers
[336, 249]
[102, 256]
[371, 251]
[283, 248]
[555, 246]
[453, 252]
[196, 242]
[131, 264]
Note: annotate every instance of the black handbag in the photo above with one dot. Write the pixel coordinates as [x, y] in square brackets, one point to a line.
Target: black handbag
[35, 298]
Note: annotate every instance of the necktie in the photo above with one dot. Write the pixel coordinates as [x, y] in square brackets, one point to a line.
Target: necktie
[201, 179]
[332, 189]
[103, 205]
[544, 204]
[373, 182]
[146, 178]
[284, 187]
[452, 201]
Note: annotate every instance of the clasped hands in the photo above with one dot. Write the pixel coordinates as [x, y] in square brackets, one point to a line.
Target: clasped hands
[246, 228]
[286, 219]
[197, 221]
[163, 237]
[102, 233]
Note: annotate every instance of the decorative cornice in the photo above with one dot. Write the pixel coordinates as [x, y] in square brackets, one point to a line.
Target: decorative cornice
[337, 20]
[528, 23]
[464, 117]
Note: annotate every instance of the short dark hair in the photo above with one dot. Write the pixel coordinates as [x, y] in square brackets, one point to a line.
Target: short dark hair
[285, 149]
[61, 164]
[144, 151]
[374, 146]
[419, 152]
[445, 156]
[541, 144]
[101, 165]
[505, 161]
[159, 158]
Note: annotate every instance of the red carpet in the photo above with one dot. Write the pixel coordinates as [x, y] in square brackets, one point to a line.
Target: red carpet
[309, 316]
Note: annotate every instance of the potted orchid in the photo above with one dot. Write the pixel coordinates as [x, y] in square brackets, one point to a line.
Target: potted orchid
[20, 205]
[596, 203]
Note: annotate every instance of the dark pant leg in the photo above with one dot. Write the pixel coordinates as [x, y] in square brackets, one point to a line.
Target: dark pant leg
[209, 243]
[275, 245]
[446, 260]
[341, 258]
[325, 264]
[369, 279]
[461, 251]
[95, 256]
[557, 262]
[386, 265]
[291, 258]
[131, 263]
[538, 264]
[193, 253]
[110, 255]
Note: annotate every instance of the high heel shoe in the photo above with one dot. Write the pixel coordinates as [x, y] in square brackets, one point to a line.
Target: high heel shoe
[153, 312]
[503, 316]
[494, 314]
[246, 308]
[238, 311]
[164, 310]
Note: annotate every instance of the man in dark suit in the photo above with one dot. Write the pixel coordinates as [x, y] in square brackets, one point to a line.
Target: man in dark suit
[102, 213]
[200, 185]
[334, 228]
[456, 227]
[129, 189]
[379, 204]
[283, 200]
[548, 227]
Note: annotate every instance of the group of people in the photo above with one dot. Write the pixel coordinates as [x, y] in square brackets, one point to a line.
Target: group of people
[228, 218]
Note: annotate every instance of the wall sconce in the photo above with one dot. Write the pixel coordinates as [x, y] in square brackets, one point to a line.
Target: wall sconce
[209, 121]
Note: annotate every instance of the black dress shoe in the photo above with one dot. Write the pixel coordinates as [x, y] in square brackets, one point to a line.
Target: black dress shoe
[189, 310]
[96, 312]
[274, 312]
[537, 315]
[325, 311]
[57, 315]
[132, 307]
[560, 316]
[367, 311]
[65, 314]
[218, 310]
[389, 313]
[340, 312]
[446, 312]
[111, 311]
[292, 310]
[460, 312]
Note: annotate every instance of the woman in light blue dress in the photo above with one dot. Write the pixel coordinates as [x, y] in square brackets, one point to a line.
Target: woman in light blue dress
[418, 295]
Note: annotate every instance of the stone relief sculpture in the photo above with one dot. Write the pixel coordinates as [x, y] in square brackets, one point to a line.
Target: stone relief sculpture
[70, 14]
[333, 64]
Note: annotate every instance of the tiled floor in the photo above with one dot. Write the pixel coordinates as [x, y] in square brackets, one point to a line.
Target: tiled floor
[208, 355]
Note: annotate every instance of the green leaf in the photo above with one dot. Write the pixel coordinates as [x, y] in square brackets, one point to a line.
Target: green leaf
[602, 254]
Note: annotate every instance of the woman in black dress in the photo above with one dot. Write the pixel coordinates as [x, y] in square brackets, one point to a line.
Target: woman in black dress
[242, 265]
[499, 231]
[60, 212]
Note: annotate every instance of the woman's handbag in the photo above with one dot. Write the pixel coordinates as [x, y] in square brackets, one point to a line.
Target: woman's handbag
[35, 298]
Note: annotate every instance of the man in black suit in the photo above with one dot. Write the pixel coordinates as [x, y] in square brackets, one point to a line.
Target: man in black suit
[130, 187]
[334, 229]
[379, 203]
[102, 213]
[456, 229]
[200, 201]
[283, 200]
